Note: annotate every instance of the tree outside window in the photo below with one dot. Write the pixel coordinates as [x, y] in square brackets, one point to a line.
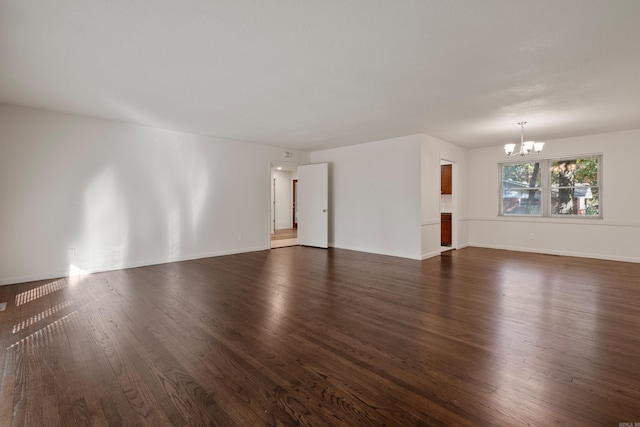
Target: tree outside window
[574, 187]
[521, 189]
[570, 188]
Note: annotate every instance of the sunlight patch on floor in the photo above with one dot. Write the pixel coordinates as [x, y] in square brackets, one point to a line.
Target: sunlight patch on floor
[40, 291]
[40, 316]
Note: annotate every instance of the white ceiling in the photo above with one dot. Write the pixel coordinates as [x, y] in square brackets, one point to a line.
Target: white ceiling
[316, 74]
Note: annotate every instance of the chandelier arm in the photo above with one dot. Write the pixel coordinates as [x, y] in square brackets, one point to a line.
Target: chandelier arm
[525, 149]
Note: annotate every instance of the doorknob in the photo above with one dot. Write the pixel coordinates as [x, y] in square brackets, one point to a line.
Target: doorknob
[324, 210]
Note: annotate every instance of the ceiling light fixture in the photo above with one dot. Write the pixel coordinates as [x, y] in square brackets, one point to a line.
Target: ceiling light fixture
[526, 147]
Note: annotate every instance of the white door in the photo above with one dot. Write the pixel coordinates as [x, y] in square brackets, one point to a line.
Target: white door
[313, 196]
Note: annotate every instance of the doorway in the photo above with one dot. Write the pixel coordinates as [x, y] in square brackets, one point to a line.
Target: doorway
[283, 225]
[295, 204]
[448, 195]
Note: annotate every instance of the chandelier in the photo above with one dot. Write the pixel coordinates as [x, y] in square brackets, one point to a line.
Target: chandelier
[526, 147]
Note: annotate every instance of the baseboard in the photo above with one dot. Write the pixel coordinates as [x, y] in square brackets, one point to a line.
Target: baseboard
[430, 255]
[559, 253]
[136, 264]
[368, 251]
[32, 278]
[60, 274]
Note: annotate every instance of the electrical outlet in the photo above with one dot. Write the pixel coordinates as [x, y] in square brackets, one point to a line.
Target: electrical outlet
[240, 236]
[71, 252]
[531, 236]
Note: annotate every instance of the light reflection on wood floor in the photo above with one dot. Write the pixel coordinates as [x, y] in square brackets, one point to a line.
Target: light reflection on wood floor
[284, 238]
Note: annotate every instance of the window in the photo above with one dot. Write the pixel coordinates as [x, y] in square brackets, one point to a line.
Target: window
[521, 189]
[574, 187]
[564, 187]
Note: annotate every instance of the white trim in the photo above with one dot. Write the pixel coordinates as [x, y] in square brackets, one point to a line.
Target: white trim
[539, 157]
[370, 251]
[32, 278]
[560, 253]
[61, 274]
[430, 255]
[271, 227]
[557, 220]
[437, 221]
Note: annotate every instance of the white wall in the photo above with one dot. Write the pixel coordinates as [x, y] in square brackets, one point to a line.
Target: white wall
[123, 195]
[616, 236]
[374, 196]
[433, 151]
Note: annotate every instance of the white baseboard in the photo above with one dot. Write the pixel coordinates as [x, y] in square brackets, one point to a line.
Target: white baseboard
[135, 264]
[33, 278]
[369, 251]
[560, 253]
[430, 255]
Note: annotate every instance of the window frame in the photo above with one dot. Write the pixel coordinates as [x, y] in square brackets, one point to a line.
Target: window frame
[501, 189]
[546, 187]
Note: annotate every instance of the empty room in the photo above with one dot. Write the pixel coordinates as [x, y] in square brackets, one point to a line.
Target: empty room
[355, 213]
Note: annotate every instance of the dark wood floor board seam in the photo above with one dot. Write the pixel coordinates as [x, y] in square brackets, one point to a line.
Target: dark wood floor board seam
[303, 336]
[133, 378]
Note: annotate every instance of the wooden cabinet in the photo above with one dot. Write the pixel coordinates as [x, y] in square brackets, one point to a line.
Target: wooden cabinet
[446, 185]
[445, 179]
[445, 229]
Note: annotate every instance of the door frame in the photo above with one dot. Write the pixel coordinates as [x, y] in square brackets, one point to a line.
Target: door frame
[294, 195]
[454, 201]
[272, 164]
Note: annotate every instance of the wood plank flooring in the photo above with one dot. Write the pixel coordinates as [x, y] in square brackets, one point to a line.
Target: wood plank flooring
[284, 234]
[304, 336]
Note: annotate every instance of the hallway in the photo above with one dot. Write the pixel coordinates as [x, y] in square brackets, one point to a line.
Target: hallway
[284, 238]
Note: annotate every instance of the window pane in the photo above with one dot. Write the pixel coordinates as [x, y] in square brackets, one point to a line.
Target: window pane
[579, 200]
[521, 175]
[516, 201]
[575, 172]
[521, 193]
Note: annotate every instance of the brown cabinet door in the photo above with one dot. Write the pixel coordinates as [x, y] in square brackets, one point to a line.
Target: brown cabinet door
[445, 179]
[445, 230]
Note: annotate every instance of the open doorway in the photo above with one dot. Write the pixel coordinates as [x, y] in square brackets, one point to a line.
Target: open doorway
[294, 211]
[284, 232]
[447, 206]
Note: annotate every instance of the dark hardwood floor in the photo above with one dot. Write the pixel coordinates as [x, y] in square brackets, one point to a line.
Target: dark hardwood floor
[303, 336]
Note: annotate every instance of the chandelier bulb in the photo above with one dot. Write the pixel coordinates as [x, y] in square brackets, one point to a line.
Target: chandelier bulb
[526, 147]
